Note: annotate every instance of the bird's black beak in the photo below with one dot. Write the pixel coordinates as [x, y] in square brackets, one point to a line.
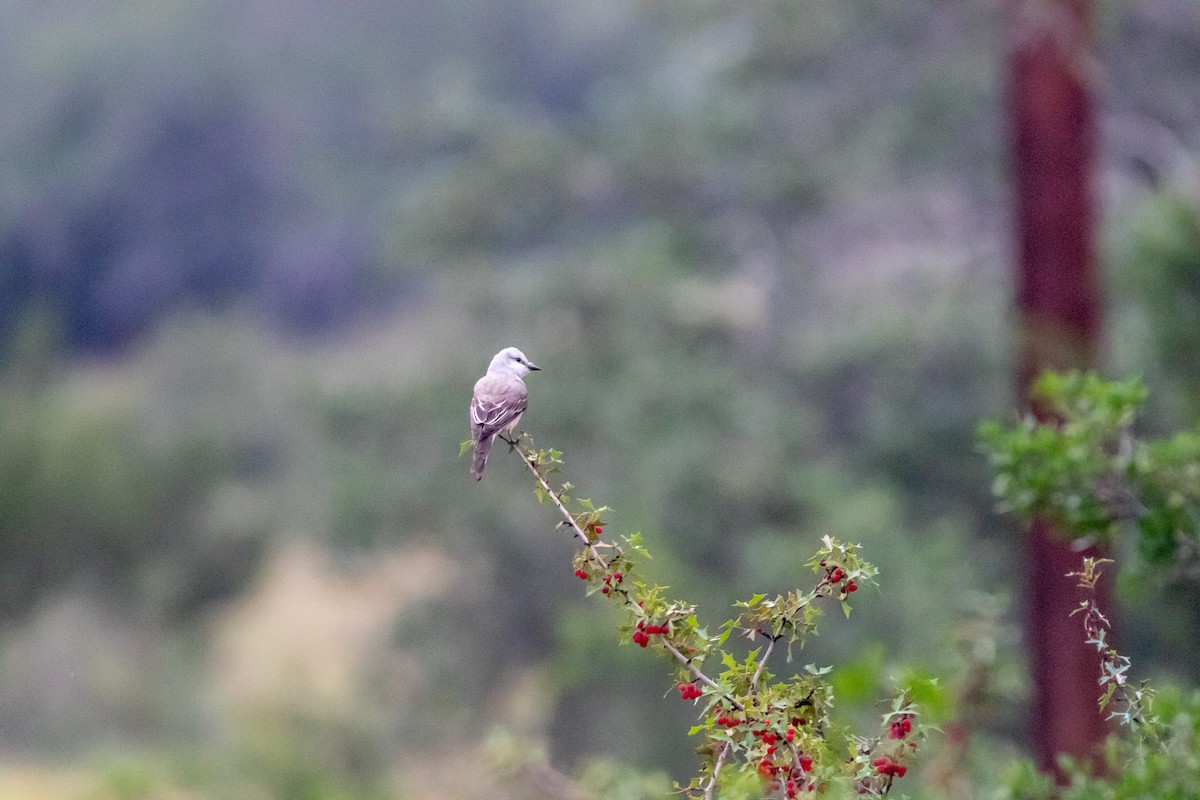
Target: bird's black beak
[533, 367]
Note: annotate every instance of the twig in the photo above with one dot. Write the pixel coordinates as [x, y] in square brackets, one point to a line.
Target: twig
[762, 662]
[531, 463]
[687, 662]
[710, 791]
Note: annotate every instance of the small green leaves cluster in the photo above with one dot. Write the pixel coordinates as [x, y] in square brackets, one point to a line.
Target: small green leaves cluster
[1074, 459]
[792, 617]
[762, 736]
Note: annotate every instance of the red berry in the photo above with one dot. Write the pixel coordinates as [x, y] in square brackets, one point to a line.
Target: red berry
[604, 590]
[599, 529]
[851, 586]
[581, 575]
[885, 766]
[806, 763]
[836, 575]
[618, 577]
[790, 735]
[907, 725]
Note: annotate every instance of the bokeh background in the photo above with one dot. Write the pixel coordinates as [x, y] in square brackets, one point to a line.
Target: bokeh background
[253, 255]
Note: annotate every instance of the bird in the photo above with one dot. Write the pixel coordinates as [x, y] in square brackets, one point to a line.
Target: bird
[499, 400]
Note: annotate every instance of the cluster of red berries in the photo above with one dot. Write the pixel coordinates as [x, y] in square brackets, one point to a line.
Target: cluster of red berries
[641, 636]
[768, 739]
[836, 576]
[900, 728]
[689, 691]
[779, 776]
[795, 775]
[886, 766]
[609, 580]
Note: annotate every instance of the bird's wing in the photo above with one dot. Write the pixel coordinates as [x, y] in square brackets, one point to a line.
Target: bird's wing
[497, 402]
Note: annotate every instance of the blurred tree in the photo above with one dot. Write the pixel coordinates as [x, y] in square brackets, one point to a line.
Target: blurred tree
[1160, 266]
[1059, 305]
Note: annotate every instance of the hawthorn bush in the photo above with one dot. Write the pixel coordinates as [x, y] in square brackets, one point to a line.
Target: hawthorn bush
[761, 735]
[1077, 462]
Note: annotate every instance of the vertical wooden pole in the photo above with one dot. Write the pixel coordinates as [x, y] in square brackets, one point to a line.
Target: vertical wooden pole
[1059, 304]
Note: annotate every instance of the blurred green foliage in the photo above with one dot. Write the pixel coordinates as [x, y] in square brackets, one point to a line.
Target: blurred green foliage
[90, 497]
[1081, 464]
[1157, 262]
[1137, 770]
[757, 248]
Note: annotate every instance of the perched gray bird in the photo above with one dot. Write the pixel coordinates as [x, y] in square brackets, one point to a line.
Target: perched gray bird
[499, 400]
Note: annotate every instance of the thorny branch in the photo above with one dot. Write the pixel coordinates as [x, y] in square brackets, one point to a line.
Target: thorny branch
[786, 615]
[762, 662]
[710, 791]
[532, 462]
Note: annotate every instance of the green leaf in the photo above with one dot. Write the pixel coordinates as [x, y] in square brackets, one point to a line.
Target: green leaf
[465, 446]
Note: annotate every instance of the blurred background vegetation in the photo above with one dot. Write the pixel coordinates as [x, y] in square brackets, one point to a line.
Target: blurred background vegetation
[253, 255]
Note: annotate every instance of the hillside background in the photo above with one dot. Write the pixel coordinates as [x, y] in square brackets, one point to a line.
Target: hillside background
[253, 255]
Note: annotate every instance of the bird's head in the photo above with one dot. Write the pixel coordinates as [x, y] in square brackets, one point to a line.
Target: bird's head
[512, 360]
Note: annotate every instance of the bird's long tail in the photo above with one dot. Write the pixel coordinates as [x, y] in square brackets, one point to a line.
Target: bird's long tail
[482, 448]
